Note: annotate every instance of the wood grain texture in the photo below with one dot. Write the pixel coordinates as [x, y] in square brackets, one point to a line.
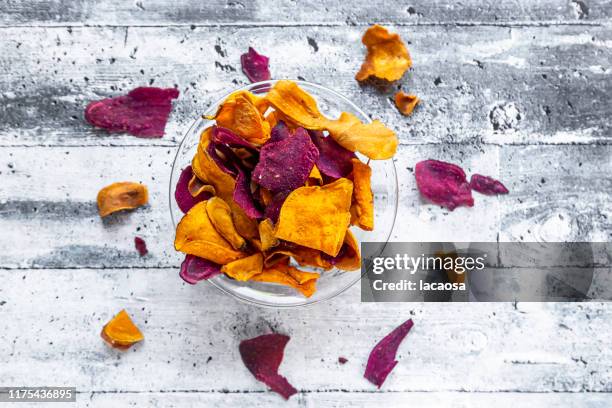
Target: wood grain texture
[499, 85]
[192, 335]
[287, 12]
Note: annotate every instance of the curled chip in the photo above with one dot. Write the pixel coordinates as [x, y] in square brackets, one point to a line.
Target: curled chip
[406, 103]
[382, 357]
[287, 275]
[242, 113]
[279, 132]
[196, 235]
[273, 208]
[243, 196]
[220, 215]
[142, 112]
[334, 160]
[374, 140]
[190, 191]
[195, 269]
[121, 196]
[487, 185]
[245, 268]
[141, 246]
[362, 210]
[387, 56]
[303, 256]
[255, 66]
[317, 217]
[266, 235]
[285, 165]
[348, 258]
[121, 332]
[262, 356]
[205, 168]
[443, 184]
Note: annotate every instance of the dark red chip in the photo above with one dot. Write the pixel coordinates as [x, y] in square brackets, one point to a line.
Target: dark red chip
[195, 269]
[141, 246]
[243, 196]
[334, 160]
[183, 197]
[443, 183]
[487, 185]
[382, 357]
[255, 66]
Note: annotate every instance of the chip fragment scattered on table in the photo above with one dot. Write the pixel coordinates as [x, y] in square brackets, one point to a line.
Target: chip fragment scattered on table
[121, 332]
[382, 357]
[141, 246]
[255, 66]
[121, 196]
[443, 183]
[387, 57]
[487, 185]
[406, 103]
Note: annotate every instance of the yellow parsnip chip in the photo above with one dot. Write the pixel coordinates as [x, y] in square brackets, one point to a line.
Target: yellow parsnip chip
[220, 215]
[245, 268]
[121, 196]
[317, 217]
[362, 209]
[121, 332]
[196, 235]
[387, 56]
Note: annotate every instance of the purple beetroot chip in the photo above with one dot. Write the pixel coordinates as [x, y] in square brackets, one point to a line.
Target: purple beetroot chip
[487, 185]
[243, 196]
[225, 136]
[342, 360]
[273, 209]
[334, 160]
[285, 165]
[195, 269]
[279, 132]
[263, 355]
[443, 183]
[141, 246]
[382, 357]
[228, 162]
[255, 66]
[143, 112]
[183, 197]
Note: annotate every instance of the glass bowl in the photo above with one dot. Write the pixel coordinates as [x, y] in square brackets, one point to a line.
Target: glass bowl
[332, 282]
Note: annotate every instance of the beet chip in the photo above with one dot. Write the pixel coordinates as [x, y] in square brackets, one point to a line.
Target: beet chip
[244, 197]
[141, 246]
[487, 185]
[382, 357]
[143, 112]
[443, 184]
[273, 209]
[225, 136]
[279, 132]
[285, 165]
[183, 197]
[334, 160]
[262, 356]
[195, 269]
[255, 66]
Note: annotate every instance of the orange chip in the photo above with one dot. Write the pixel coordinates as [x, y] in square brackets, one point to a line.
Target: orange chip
[220, 215]
[304, 282]
[121, 196]
[242, 113]
[266, 235]
[196, 187]
[121, 332]
[362, 209]
[314, 178]
[317, 217]
[406, 103]
[302, 255]
[453, 275]
[351, 258]
[387, 56]
[374, 140]
[196, 235]
[245, 268]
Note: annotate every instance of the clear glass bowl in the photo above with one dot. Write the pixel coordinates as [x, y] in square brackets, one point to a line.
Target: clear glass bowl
[333, 282]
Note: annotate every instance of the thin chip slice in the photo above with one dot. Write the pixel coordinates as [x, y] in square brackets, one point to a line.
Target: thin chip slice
[314, 178]
[121, 196]
[195, 269]
[487, 185]
[205, 168]
[245, 268]
[334, 160]
[196, 235]
[255, 66]
[279, 132]
[406, 103]
[196, 187]
[241, 113]
[121, 332]
[243, 196]
[382, 357]
[220, 215]
[262, 356]
[348, 259]
[143, 112]
[141, 246]
[266, 235]
[273, 208]
[302, 255]
[183, 194]
[281, 273]
[362, 210]
[387, 57]
[293, 102]
[317, 217]
[443, 184]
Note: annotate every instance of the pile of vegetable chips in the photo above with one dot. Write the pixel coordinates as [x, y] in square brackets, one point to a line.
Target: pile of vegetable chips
[275, 186]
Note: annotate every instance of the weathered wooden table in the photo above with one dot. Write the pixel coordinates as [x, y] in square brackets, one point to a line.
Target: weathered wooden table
[519, 90]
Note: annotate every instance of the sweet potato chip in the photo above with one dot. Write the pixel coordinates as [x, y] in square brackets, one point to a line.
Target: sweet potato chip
[255, 66]
[195, 269]
[205, 168]
[296, 104]
[348, 259]
[281, 273]
[406, 103]
[121, 196]
[196, 235]
[196, 187]
[266, 235]
[303, 256]
[362, 210]
[190, 190]
[314, 178]
[245, 268]
[387, 56]
[220, 216]
[317, 217]
[242, 113]
[121, 332]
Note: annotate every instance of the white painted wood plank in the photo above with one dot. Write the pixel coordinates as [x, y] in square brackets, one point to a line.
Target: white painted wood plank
[281, 12]
[52, 320]
[494, 84]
